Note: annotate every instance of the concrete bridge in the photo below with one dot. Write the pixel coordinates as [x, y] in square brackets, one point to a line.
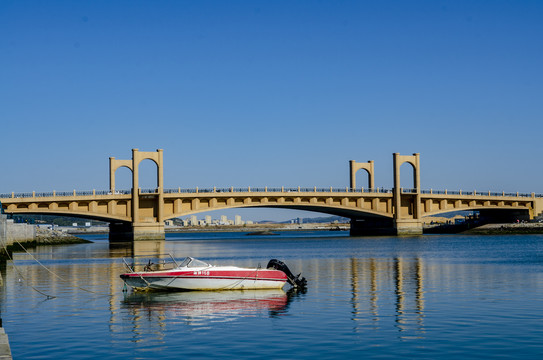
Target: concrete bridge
[139, 214]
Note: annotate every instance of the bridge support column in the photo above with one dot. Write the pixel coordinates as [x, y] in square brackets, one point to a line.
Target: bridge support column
[407, 206]
[372, 227]
[145, 225]
[151, 231]
[408, 227]
[127, 232]
[120, 232]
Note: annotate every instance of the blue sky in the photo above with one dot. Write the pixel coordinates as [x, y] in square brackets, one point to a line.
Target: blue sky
[271, 93]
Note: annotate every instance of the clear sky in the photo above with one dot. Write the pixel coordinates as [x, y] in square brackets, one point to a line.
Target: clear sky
[271, 93]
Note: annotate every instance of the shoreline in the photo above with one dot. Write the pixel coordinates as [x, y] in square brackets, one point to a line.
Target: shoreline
[488, 229]
[230, 228]
[506, 229]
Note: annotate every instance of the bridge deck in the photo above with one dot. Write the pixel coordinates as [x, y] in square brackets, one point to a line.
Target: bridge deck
[340, 201]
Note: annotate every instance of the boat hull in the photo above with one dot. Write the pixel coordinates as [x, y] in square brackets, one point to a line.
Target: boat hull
[207, 280]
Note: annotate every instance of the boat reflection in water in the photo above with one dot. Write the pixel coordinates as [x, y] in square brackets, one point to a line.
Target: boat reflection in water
[199, 308]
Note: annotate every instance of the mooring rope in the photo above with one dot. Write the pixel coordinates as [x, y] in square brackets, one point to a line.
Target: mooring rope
[56, 275]
[21, 275]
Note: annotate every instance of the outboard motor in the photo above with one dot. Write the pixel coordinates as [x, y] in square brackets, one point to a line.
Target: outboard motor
[295, 281]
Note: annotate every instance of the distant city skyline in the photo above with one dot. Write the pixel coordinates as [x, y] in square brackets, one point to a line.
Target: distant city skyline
[258, 214]
[258, 93]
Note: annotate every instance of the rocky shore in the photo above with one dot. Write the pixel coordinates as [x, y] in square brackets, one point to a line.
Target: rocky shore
[56, 237]
[506, 229]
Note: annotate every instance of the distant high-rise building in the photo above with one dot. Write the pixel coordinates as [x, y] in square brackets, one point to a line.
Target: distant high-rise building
[193, 220]
[208, 220]
[237, 220]
[224, 220]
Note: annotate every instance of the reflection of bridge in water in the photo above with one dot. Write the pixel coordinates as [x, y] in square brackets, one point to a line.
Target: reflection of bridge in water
[139, 214]
[373, 283]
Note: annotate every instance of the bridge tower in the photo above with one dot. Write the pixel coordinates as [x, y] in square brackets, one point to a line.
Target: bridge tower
[368, 225]
[406, 208]
[146, 209]
[355, 166]
[407, 203]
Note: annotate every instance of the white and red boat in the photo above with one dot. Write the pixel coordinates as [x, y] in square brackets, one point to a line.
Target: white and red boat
[194, 274]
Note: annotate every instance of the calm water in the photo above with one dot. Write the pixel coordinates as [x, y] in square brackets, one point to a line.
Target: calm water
[381, 297]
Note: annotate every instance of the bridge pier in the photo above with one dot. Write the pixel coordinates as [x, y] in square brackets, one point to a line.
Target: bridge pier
[120, 232]
[151, 231]
[408, 227]
[381, 227]
[128, 232]
[372, 227]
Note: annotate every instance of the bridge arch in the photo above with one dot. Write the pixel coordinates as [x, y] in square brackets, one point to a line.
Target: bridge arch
[148, 174]
[414, 161]
[407, 182]
[133, 165]
[156, 157]
[355, 166]
[76, 214]
[342, 211]
[490, 211]
[114, 165]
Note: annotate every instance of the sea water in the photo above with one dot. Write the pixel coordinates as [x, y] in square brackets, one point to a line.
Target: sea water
[375, 297]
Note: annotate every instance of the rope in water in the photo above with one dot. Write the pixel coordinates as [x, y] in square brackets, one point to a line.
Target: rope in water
[54, 274]
[22, 276]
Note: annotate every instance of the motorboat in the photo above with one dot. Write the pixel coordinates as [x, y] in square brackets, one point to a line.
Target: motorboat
[194, 274]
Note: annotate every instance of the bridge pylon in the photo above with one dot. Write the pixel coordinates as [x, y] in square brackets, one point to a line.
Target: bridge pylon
[407, 203]
[355, 166]
[147, 210]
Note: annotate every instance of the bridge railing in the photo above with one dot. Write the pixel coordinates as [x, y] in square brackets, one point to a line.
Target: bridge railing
[148, 191]
[272, 190]
[23, 195]
[263, 189]
[331, 189]
[179, 191]
[34, 194]
[480, 193]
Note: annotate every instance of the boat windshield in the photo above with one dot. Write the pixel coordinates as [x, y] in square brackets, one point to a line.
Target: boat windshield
[192, 262]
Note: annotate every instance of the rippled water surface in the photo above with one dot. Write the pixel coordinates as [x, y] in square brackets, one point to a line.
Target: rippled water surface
[379, 297]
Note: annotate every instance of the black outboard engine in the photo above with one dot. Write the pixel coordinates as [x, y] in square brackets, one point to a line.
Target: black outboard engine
[295, 281]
